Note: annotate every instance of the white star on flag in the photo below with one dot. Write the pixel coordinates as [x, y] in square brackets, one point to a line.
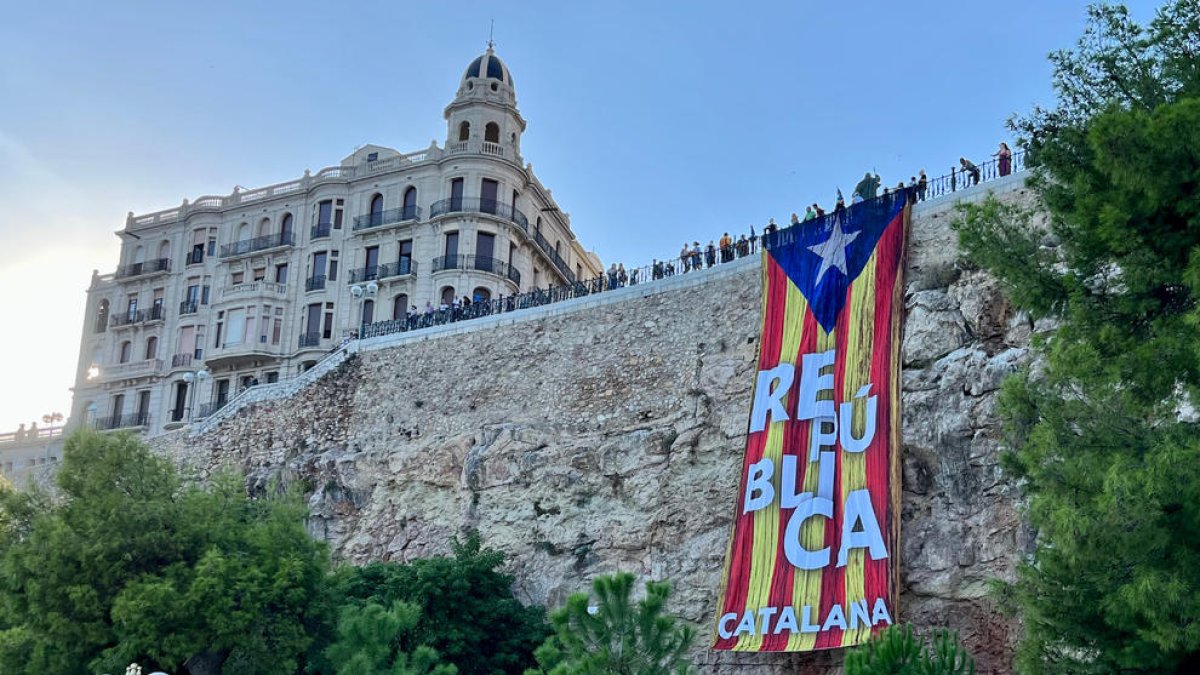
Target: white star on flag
[833, 250]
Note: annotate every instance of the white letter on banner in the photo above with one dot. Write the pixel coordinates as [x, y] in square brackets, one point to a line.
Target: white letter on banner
[796, 554]
[723, 625]
[880, 613]
[859, 509]
[849, 442]
[758, 479]
[787, 621]
[812, 382]
[768, 399]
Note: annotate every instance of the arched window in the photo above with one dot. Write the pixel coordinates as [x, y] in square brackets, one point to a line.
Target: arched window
[126, 352]
[410, 203]
[102, 316]
[151, 347]
[481, 294]
[264, 227]
[491, 132]
[448, 295]
[376, 217]
[139, 254]
[400, 306]
[164, 249]
[285, 227]
[464, 131]
[243, 232]
[368, 311]
[538, 226]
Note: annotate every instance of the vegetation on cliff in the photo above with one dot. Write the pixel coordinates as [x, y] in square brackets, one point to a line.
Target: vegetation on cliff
[1103, 435]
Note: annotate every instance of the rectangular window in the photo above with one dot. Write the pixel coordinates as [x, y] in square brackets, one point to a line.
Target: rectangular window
[485, 245]
[456, 194]
[193, 292]
[237, 278]
[187, 339]
[372, 260]
[406, 256]
[489, 196]
[204, 295]
[281, 273]
[312, 323]
[325, 213]
[337, 218]
[451, 246]
[327, 331]
[212, 246]
[260, 273]
[276, 331]
[333, 265]
[319, 261]
[272, 377]
[235, 330]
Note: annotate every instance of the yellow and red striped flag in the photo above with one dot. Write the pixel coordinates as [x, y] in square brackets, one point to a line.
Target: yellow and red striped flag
[812, 561]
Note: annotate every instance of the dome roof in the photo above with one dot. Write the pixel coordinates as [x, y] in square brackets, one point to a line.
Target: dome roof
[489, 66]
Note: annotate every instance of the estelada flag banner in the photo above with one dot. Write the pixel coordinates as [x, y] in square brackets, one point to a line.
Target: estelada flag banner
[812, 561]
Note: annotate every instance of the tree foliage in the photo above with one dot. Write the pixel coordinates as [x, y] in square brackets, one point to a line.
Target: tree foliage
[616, 635]
[1099, 438]
[130, 564]
[369, 639]
[897, 651]
[467, 611]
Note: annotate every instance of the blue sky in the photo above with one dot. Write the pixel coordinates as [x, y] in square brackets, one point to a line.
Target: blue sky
[652, 122]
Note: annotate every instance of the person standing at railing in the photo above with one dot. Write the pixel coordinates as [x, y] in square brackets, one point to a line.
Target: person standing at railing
[818, 210]
[696, 264]
[685, 256]
[809, 214]
[922, 185]
[622, 275]
[20, 435]
[743, 247]
[726, 248]
[1005, 159]
[970, 169]
[753, 240]
[710, 253]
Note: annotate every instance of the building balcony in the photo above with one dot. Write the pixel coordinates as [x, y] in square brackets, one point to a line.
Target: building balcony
[140, 269]
[477, 263]
[315, 283]
[127, 319]
[384, 218]
[253, 348]
[195, 257]
[479, 205]
[255, 288]
[401, 268]
[321, 230]
[189, 307]
[182, 360]
[309, 340]
[257, 244]
[130, 421]
[119, 371]
[207, 409]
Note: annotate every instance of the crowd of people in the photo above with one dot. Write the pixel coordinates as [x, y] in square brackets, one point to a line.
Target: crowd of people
[692, 257]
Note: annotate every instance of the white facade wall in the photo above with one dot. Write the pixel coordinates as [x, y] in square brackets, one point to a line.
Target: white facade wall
[231, 340]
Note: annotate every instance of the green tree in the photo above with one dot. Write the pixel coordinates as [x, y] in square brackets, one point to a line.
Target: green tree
[897, 651]
[1098, 436]
[369, 639]
[130, 564]
[616, 635]
[467, 609]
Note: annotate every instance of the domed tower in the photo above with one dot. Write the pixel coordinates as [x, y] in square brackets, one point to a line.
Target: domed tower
[484, 110]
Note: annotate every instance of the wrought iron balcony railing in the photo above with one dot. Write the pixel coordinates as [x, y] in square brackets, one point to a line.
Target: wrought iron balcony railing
[128, 421]
[257, 244]
[139, 268]
[315, 283]
[388, 217]
[321, 230]
[400, 268]
[181, 360]
[189, 307]
[207, 409]
[477, 263]
[310, 340]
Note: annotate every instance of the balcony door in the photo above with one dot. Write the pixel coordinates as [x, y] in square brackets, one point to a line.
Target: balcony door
[485, 250]
[372, 266]
[489, 193]
[312, 322]
[143, 408]
[456, 194]
[181, 396]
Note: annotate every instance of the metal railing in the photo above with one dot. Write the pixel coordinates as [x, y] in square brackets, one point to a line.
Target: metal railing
[181, 360]
[315, 283]
[251, 287]
[399, 268]
[321, 230]
[388, 217]
[958, 179]
[693, 261]
[310, 340]
[31, 435]
[128, 421]
[477, 263]
[206, 409]
[508, 212]
[140, 268]
[195, 257]
[257, 244]
[189, 307]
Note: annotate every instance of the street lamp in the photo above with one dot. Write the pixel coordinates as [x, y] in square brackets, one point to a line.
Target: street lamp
[193, 380]
[363, 293]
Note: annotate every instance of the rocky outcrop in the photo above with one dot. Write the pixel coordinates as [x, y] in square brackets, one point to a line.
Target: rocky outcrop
[610, 438]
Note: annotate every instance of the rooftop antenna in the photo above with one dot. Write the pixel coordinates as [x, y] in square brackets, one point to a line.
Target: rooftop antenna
[491, 32]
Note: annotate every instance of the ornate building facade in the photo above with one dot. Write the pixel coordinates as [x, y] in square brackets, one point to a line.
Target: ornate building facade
[225, 292]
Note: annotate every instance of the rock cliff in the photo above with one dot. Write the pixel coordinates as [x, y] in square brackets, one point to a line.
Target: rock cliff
[609, 437]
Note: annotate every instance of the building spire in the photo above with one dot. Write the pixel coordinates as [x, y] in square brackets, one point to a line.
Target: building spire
[491, 32]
